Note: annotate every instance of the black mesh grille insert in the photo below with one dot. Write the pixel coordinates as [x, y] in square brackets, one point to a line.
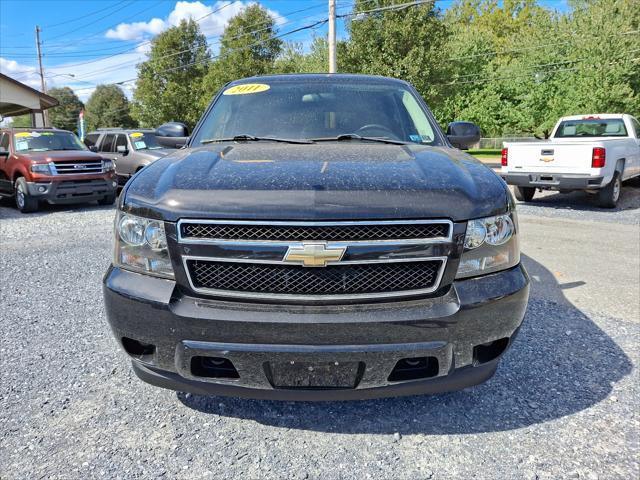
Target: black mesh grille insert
[331, 280]
[325, 233]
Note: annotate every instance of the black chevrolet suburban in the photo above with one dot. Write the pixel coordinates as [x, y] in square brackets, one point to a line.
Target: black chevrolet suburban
[318, 239]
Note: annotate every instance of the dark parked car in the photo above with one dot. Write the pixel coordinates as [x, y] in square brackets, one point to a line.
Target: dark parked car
[50, 165]
[318, 239]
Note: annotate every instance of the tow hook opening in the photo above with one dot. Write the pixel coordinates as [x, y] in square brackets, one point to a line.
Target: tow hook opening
[213, 367]
[137, 349]
[414, 369]
[489, 351]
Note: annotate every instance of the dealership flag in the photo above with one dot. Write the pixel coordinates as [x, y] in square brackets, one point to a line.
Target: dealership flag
[81, 125]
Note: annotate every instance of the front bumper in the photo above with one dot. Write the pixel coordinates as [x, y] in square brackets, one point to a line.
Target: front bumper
[553, 181]
[72, 191]
[453, 329]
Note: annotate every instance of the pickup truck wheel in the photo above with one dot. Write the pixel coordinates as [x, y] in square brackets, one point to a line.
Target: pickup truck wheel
[25, 202]
[107, 199]
[608, 196]
[524, 194]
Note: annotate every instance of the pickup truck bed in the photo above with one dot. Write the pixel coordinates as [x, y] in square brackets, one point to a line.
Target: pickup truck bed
[576, 158]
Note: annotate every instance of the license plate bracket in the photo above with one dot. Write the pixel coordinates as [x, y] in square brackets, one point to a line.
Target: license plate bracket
[314, 375]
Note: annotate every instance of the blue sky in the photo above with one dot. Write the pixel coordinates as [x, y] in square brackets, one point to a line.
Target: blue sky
[101, 41]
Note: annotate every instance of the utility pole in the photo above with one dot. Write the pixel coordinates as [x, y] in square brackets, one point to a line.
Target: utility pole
[332, 36]
[45, 116]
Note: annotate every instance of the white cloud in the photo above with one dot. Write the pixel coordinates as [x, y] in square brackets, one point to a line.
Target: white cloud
[122, 67]
[22, 73]
[210, 23]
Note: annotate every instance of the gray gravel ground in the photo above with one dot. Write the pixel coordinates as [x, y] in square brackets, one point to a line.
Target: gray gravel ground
[564, 403]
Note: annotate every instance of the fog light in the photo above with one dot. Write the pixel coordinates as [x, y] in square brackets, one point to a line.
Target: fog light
[42, 189]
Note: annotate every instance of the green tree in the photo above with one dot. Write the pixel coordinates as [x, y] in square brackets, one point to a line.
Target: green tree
[20, 121]
[169, 83]
[247, 48]
[516, 66]
[407, 43]
[294, 60]
[65, 115]
[108, 107]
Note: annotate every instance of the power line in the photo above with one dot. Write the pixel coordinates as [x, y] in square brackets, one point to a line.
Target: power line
[149, 41]
[82, 17]
[509, 77]
[76, 41]
[524, 49]
[127, 4]
[115, 68]
[306, 27]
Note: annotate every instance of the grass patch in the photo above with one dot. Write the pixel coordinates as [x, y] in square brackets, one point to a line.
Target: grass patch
[486, 155]
[485, 152]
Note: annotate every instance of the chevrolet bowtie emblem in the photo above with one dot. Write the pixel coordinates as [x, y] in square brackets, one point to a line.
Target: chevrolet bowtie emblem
[314, 254]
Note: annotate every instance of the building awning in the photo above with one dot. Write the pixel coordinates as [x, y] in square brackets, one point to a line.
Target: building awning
[16, 98]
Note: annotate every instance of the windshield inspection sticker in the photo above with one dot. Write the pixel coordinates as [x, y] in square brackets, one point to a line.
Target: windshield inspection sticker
[246, 89]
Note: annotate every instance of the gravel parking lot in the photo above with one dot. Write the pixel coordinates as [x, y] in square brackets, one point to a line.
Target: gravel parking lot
[563, 404]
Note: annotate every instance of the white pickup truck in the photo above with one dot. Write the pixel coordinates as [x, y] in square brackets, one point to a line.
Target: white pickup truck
[585, 152]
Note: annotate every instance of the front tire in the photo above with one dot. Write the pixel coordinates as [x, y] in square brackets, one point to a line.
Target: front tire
[608, 196]
[25, 202]
[524, 194]
[107, 199]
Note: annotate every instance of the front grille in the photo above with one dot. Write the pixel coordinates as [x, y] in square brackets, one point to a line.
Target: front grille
[336, 232]
[332, 280]
[78, 167]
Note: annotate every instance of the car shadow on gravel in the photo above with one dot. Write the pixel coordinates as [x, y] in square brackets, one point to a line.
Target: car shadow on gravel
[561, 363]
[9, 212]
[582, 201]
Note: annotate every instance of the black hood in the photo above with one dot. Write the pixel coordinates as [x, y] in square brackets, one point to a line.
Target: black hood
[321, 181]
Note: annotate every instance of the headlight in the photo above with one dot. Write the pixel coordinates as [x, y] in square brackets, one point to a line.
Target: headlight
[41, 168]
[490, 245]
[108, 166]
[141, 245]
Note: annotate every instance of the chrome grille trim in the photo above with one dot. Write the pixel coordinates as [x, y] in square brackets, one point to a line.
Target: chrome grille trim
[77, 167]
[316, 298]
[386, 243]
[240, 241]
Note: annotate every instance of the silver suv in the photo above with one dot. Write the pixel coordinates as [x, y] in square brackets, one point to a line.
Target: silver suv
[130, 150]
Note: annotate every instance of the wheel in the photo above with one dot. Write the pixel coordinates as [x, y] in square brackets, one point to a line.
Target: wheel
[25, 202]
[107, 199]
[524, 194]
[609, 195]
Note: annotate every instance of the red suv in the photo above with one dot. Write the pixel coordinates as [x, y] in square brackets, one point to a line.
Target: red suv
[44, 164]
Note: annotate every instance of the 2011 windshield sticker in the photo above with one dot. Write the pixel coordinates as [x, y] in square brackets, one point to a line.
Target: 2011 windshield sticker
[247, 89]
[136, 135]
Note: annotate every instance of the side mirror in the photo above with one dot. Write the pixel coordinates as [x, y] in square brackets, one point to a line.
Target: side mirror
[4, 153]
[122, 149]
[172, 129]
[463, 135]
[93, 149]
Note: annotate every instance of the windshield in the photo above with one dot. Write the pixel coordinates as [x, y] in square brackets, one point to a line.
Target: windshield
[39, 141]
[592, 127]
[318, 110]
[144, 141]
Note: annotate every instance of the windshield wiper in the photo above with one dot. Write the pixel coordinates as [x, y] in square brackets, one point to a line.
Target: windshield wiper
[253, 138]
[355, 136]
